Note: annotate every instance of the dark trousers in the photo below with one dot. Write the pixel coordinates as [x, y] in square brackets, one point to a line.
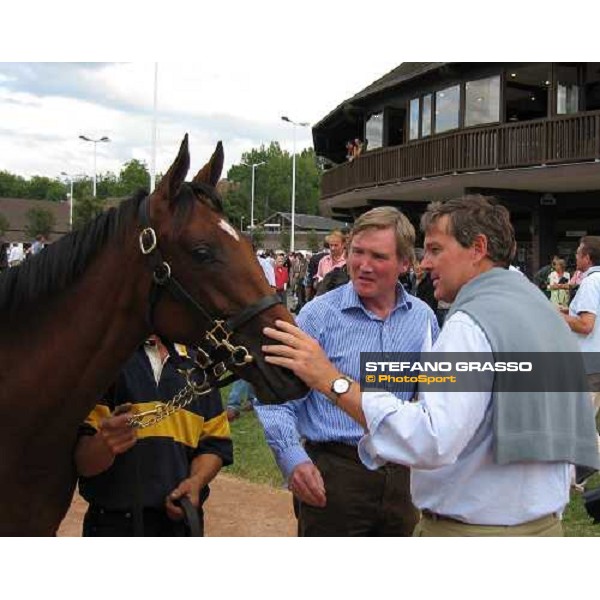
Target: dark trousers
[99, 522]
[360, 502]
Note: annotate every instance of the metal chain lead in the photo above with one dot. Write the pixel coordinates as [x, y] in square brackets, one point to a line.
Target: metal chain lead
[163, 410]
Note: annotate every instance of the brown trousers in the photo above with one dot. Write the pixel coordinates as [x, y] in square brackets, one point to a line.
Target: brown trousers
[360, 502]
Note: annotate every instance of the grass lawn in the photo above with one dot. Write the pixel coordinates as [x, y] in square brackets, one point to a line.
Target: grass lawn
[253, 461]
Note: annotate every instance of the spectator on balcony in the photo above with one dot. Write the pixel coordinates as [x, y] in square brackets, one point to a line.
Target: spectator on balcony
[357, 148]
[349, 150]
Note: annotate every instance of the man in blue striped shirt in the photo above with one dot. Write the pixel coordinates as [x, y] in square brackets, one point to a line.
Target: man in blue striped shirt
[313, 441]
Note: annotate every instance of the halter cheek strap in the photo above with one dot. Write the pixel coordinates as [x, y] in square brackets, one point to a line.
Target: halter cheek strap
[216, 349]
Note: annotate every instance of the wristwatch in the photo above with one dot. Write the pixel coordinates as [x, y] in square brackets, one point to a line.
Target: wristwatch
[340, 386]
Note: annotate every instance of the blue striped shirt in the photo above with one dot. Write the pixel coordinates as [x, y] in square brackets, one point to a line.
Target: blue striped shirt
[344, 328]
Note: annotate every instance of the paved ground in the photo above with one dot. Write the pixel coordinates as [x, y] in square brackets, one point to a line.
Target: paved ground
[235, 508]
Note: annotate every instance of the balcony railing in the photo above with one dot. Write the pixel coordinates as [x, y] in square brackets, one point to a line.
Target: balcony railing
[570, 138]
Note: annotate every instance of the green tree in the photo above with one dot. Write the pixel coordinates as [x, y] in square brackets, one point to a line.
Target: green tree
[39, 221]
[312, 241]
[85, 209]
[4, 225]
[12, 186]
[107, 186]
[258, 236]
[44, 188]
[285, 238]
[133, 176]
[273, 183]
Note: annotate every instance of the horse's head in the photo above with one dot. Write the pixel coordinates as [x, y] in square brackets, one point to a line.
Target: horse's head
[217, 268]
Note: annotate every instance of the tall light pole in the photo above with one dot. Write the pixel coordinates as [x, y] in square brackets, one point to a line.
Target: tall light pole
[70, 178]
[87, 139]
[293, 227]
[253, 165]
[153, 162]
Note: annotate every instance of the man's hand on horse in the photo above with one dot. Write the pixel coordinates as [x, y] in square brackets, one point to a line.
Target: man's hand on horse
[300, 353]
[116, 432]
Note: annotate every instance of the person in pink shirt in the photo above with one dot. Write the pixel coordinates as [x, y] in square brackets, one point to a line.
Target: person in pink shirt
[281, 277]
[337, 254]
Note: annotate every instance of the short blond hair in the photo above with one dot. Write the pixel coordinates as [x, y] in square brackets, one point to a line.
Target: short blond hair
[388, 217]
[336, 233]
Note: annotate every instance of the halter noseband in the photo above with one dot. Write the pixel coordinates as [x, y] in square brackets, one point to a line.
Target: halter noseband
[215, 351]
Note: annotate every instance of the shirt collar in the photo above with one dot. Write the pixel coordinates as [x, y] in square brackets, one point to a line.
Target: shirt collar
[593, 269]
[351, 300]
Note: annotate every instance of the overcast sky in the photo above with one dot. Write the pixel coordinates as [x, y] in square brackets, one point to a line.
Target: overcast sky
[44, 107]
[225, 72]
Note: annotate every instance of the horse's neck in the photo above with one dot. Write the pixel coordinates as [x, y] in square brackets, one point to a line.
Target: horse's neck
[90, 329]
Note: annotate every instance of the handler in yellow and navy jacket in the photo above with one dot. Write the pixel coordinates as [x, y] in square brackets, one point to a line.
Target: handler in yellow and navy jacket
[119, 466]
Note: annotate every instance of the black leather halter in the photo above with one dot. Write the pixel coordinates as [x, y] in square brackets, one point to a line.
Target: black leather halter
[215, 350]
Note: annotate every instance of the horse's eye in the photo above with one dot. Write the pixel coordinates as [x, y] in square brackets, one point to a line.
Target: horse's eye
[203, 253]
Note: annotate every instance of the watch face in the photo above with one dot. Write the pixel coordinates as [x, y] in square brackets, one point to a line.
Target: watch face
[341, 386]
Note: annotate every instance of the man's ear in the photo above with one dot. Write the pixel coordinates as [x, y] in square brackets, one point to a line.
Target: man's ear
[210, 173]
[480, 247]
[169, 185]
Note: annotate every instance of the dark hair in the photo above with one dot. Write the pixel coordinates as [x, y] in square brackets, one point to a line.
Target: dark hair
[472, 215]
[590, 245]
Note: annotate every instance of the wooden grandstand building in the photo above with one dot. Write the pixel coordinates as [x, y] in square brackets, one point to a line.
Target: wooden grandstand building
[527, 133]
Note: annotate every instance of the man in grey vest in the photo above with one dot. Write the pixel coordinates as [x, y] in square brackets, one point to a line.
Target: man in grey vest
[483, 462]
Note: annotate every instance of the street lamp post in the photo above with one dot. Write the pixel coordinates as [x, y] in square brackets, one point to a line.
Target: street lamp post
[293, 227]
[87, 139]
[253, 165]
[70, 178]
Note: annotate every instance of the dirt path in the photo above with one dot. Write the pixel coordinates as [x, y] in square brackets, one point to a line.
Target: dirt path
[235, 508]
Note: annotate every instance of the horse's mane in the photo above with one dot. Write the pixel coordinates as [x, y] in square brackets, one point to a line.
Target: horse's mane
[62, 262]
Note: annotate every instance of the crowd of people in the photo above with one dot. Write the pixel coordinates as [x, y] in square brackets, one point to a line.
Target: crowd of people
[16, 252]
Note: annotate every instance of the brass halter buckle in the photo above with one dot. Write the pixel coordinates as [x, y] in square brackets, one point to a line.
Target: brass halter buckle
[218, 337]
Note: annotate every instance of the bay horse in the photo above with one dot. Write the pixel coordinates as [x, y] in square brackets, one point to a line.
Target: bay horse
[73, 314]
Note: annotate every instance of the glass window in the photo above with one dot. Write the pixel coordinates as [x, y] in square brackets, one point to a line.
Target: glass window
[567, 91]
[414, 119]
[527, 92]
[374, 131]
[482, 101]
[446, 109]
[426, 116]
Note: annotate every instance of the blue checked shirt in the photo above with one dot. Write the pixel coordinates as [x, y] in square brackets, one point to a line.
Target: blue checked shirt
[344, 328]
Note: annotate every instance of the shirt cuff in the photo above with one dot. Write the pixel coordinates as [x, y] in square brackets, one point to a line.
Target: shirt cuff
[290, 458]
[376, 407]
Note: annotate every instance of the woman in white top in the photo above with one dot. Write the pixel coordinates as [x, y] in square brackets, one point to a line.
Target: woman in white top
[558, 283]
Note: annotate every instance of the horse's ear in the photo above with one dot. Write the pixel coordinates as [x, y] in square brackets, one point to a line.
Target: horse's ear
[211, 172]
[171, 182]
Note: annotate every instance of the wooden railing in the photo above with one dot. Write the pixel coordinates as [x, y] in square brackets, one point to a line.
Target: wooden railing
[570, 138]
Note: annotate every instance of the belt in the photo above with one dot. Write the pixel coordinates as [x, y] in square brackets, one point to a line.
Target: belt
[337, 448]
[427, 514]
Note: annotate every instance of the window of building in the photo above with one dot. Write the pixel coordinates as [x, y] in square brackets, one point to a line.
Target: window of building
[527, 90]
[592, 86]
[447, 104]
[426, 116]
[482, 101]
[567, 89]
[414, 119]
[374, 131]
